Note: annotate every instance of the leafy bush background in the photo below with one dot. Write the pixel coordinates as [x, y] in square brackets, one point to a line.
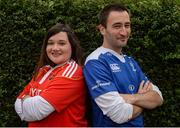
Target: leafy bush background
[155, 44]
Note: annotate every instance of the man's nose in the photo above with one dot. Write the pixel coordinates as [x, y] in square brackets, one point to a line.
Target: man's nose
[123, 31]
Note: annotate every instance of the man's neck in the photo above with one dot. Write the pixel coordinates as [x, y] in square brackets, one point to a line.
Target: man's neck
[116, 49]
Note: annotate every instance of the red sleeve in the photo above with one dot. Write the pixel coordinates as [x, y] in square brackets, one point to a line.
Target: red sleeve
[25, 90]
[63, 91]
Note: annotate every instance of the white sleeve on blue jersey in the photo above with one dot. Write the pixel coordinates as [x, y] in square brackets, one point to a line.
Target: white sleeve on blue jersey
[114, 106]
[156, 89]
[33, 108]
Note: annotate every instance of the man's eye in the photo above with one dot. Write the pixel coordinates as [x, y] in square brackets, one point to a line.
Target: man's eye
[128, 26]
[117, 27]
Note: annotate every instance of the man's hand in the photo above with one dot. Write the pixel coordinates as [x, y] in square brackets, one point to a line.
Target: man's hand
[145, 87]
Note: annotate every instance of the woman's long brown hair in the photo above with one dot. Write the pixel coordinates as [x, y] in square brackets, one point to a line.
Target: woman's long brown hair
[75, 45]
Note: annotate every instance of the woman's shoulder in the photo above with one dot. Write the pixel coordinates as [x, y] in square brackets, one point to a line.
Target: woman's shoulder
[70, 70]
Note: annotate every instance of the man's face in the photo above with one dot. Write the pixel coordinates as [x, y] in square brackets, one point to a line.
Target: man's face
[117, 31]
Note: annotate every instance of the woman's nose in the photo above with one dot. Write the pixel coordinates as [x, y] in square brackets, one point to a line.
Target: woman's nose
[55, 47]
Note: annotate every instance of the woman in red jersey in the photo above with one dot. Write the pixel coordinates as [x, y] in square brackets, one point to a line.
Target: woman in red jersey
[56, 94]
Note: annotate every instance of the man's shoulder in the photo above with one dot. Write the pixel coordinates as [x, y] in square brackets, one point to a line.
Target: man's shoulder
[95, 55]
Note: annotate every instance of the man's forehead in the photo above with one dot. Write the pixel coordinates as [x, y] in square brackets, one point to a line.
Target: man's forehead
[118, 17]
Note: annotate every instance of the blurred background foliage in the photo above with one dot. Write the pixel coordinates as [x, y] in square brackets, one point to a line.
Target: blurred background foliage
[154, 43]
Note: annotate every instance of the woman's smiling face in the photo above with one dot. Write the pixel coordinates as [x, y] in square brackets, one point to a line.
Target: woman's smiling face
[59, 48]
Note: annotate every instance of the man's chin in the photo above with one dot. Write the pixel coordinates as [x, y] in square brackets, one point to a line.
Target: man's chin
[123, 45]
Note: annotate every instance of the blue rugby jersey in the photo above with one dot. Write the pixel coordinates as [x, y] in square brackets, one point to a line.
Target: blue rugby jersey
[106, 71]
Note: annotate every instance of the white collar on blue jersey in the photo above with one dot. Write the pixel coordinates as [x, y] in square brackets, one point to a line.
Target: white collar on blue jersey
[120, 57]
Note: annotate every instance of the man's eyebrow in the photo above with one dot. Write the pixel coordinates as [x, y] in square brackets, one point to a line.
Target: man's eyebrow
[117, 24]
[128, 23]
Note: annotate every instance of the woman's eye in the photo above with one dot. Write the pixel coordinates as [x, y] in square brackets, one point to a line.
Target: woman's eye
[61, 43]
[50, 43]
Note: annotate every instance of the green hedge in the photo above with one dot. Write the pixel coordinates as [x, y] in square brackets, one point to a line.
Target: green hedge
[154, 43]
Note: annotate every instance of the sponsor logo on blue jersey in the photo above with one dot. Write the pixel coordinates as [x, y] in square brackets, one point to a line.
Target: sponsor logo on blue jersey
[115, 67]
[100, 84]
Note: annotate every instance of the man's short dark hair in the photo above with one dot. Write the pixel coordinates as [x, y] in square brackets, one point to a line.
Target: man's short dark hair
[104, 13]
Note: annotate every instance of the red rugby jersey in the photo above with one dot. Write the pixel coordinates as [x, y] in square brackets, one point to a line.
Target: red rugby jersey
[64, 88]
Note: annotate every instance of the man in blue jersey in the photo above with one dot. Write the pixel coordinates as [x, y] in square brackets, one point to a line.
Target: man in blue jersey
[118, 88]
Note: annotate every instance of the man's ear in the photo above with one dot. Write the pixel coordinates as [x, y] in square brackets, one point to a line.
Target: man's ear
[101, 29]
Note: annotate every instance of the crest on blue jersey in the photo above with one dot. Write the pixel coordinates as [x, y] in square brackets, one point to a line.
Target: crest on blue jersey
[131, 88]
